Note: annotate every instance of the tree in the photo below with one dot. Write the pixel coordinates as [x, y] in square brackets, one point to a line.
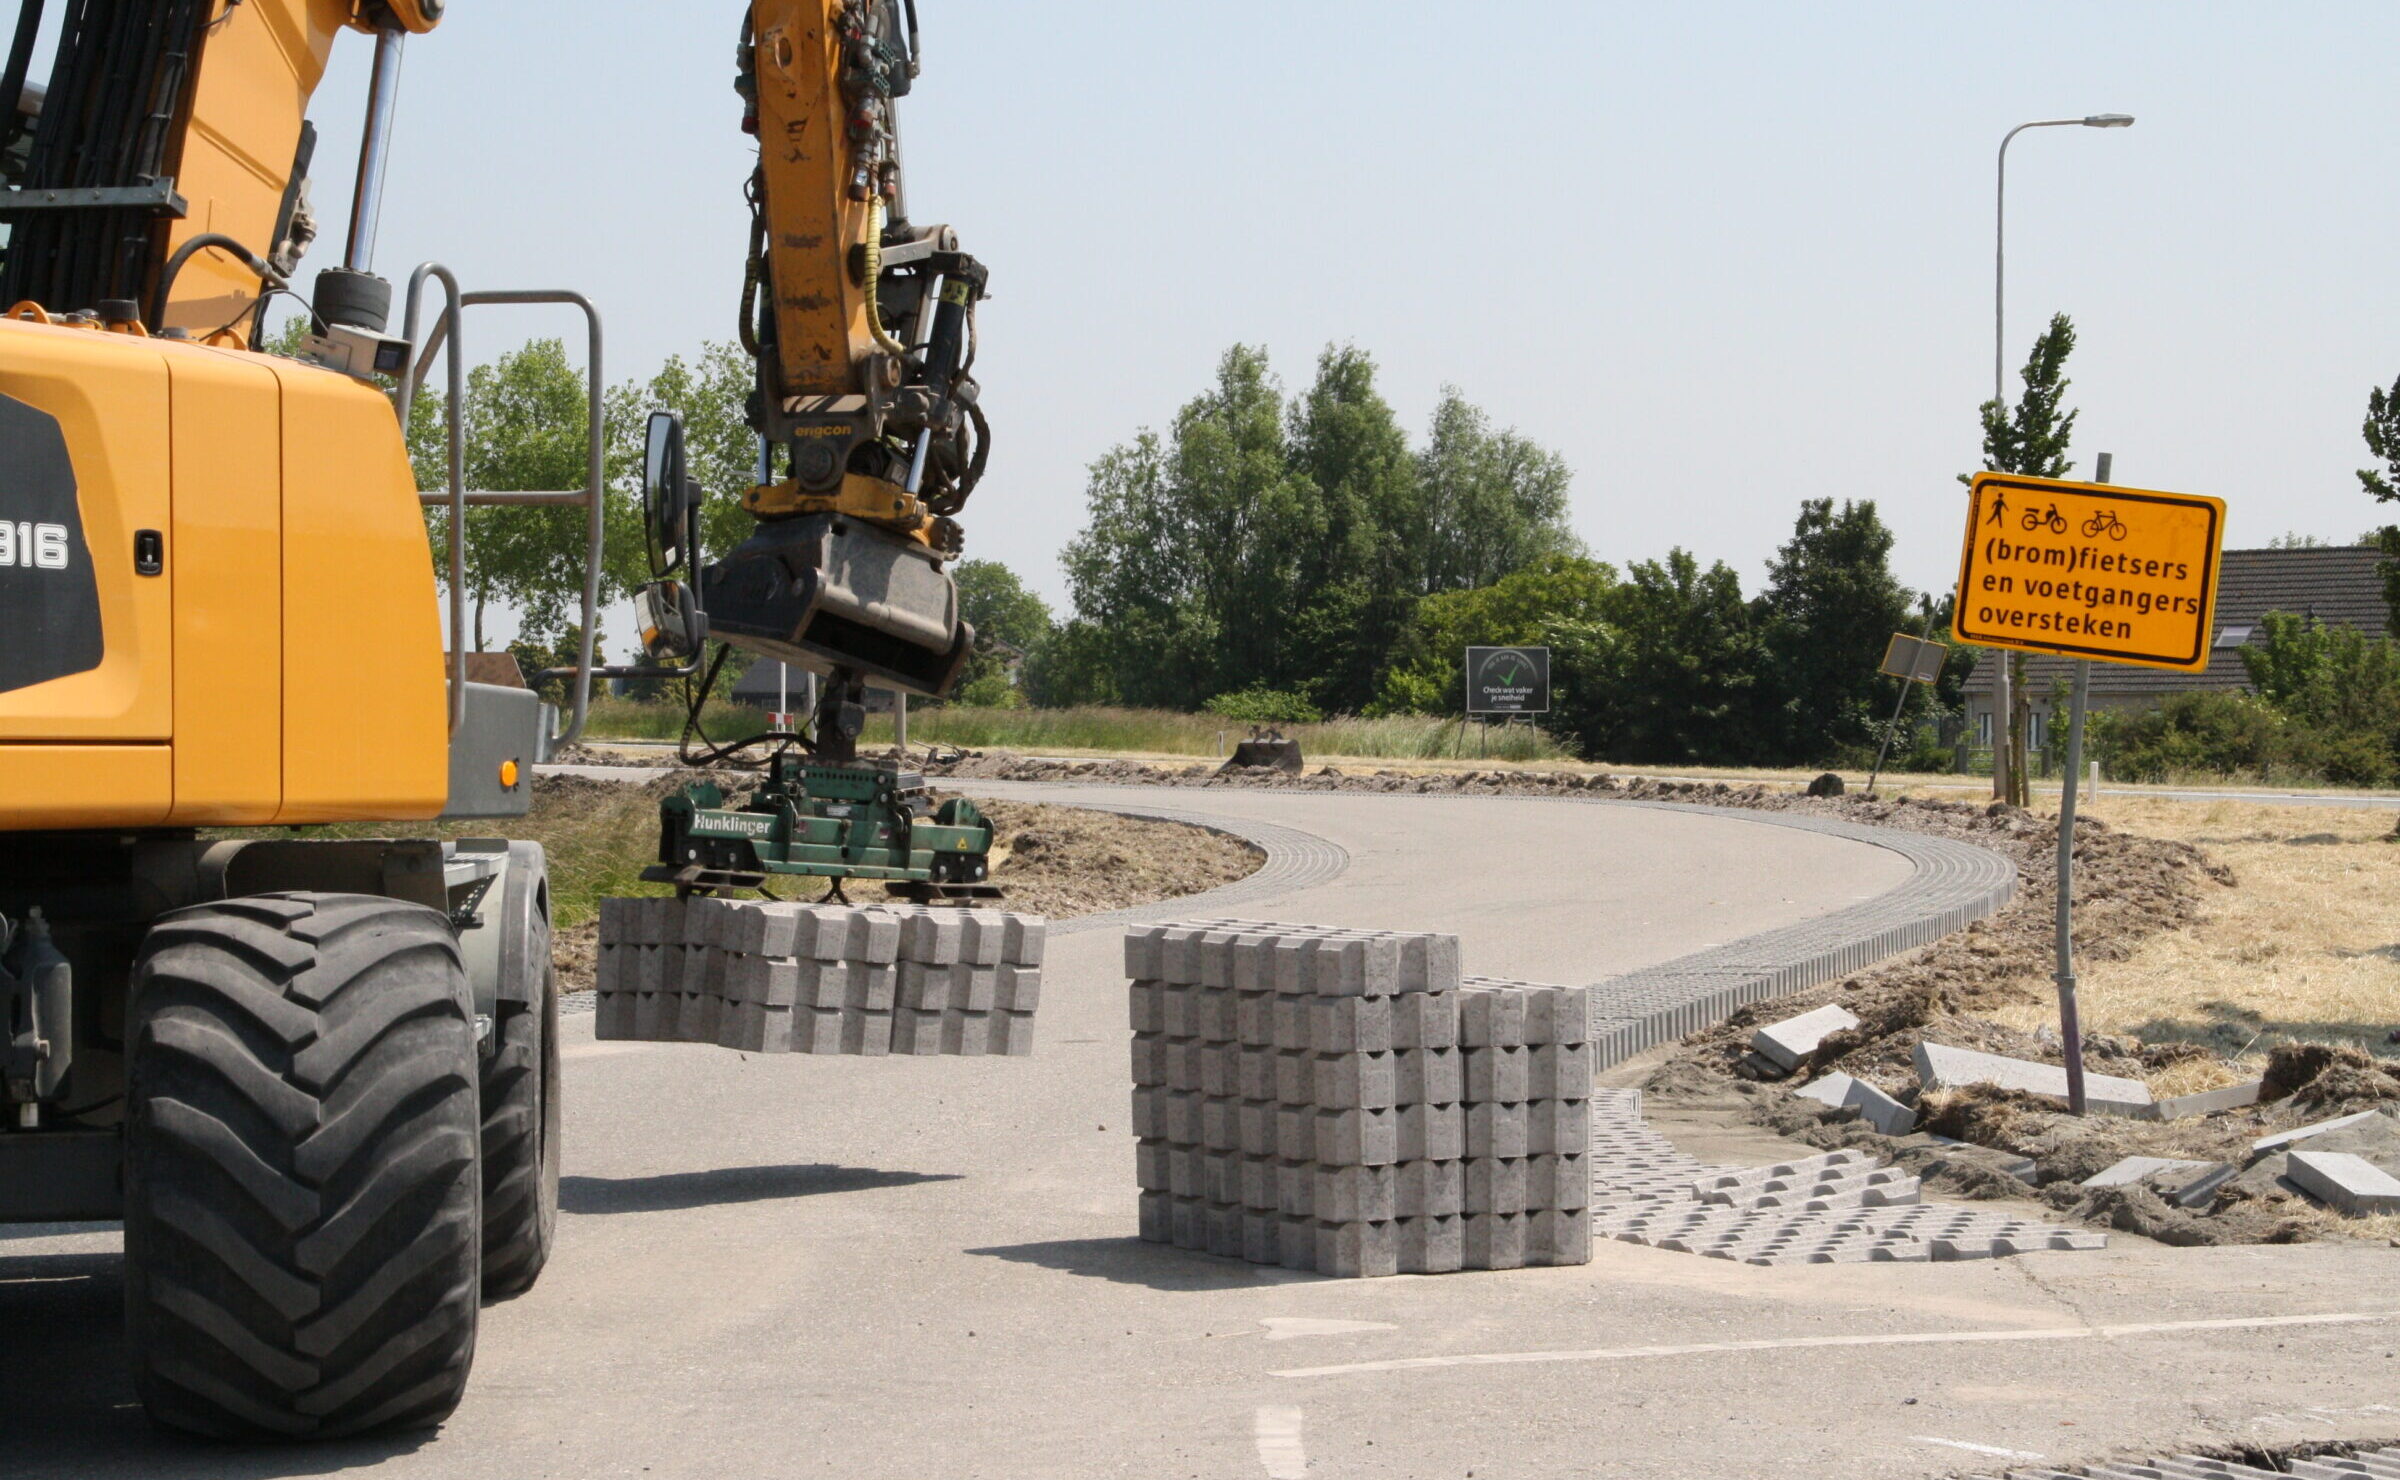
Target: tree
[1831, 606]
[2382, 431]
[2031, 441]
[712, 393]
[1489, 502]
[2339, 687]
[524, 422]
[1354, 573]
[1527, 608]
[1070, 667]
[1011, 623]
[1190, 567]
[1670, 675]
[1255, 544]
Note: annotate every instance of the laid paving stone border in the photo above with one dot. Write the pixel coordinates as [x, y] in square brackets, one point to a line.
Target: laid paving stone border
[1954, 885]
[1842, 1207]
[2377, 1464]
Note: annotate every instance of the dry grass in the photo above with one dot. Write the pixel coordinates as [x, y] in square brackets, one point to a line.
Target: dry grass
[2304, 948]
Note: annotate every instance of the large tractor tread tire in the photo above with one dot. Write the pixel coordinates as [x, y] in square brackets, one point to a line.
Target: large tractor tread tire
[303, 1219]
[521, 1144]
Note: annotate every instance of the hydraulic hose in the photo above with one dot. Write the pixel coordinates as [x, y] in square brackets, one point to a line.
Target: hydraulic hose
[205, 241]
[883, 339]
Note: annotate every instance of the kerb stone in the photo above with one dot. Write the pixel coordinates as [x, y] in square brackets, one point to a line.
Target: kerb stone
[1940, 1067]
[1788, 1043]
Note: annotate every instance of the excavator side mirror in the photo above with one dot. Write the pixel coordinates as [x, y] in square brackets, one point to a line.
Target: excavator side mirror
[666, 495]
[673, 629]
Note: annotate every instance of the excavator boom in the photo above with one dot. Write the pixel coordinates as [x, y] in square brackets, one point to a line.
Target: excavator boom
[862, 325]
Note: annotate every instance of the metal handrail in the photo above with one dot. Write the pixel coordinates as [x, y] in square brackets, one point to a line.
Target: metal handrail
[592, 497]
[403, 401]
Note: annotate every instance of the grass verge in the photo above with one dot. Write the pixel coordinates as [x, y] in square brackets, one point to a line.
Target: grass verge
[1156, 732]
[2304, 948]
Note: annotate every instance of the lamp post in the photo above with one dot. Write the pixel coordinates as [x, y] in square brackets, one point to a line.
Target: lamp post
[2003, 697]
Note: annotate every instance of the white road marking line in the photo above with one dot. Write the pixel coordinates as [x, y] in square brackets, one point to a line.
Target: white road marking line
[1284, 1328]
[1278, 1434]
[1991, 1449]
[1804, 1343]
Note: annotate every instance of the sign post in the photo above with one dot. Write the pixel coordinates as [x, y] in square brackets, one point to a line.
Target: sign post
[1912, 660]
[2087, 571]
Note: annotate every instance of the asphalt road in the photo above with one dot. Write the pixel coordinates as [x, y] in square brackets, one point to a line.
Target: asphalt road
[924, 1267]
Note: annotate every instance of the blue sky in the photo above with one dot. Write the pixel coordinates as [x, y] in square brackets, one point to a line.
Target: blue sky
[1723, 256]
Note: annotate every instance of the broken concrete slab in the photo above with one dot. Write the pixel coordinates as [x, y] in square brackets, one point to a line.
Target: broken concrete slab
[2347, 1183]
[1844, 1092]
[2211, 1101]
[2282, 1139]
[1942, 1067]
[2187, 1184]
[1789, 1043]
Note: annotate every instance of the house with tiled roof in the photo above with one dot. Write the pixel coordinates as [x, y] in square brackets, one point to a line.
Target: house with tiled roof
[2339, 587]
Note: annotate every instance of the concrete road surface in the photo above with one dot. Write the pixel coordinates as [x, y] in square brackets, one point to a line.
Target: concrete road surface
[924, 1267]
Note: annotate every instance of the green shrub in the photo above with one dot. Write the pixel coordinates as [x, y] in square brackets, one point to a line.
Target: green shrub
[2355, 758]
[2211, 734]
[989, 691]
[1259, 705]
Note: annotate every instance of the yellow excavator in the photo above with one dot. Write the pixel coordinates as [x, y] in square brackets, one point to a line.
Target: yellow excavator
[316, 1078]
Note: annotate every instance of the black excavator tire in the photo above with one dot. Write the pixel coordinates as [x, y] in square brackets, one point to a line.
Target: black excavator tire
[521, 1143]
[303, 1220]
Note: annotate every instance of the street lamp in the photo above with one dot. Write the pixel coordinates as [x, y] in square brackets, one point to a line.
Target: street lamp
[2000, 232]
[2001, 696]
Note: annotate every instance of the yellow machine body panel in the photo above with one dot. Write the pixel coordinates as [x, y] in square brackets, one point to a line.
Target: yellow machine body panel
[820, 309]
[284, 663]
[261, 63]
[228, 529]
[366, 728]
[110, 396]
[85, 786]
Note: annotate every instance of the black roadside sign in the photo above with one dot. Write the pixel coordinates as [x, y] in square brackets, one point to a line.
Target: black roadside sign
[1508, 680]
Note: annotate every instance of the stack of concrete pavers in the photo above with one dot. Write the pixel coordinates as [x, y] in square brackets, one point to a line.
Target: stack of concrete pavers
[1841, 1207]
[770, 977]
[1343, 1102]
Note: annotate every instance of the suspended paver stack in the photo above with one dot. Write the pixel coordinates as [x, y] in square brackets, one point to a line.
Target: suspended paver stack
[769, 977]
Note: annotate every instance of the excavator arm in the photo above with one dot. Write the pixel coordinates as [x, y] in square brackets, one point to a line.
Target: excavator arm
[862, 324]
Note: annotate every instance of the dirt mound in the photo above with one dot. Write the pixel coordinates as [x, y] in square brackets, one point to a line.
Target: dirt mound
[2327, 1078]
[1065, 861]
[2137, 1209]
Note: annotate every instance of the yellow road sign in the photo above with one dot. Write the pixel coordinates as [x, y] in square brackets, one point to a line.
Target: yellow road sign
[2090, 570]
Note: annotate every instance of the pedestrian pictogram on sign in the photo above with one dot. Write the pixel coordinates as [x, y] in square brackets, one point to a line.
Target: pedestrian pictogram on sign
[2090, 570]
